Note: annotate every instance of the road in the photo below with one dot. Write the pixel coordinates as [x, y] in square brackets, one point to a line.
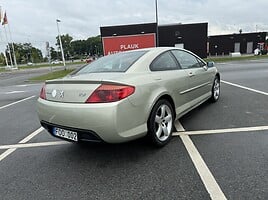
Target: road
[220, 151]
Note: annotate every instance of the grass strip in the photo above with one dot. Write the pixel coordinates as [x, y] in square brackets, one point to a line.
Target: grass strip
[52, 75]
[49, 65]
[241, 58]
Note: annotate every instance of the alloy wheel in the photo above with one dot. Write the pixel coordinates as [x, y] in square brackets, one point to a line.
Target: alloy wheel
[163, 122]
[216, 89]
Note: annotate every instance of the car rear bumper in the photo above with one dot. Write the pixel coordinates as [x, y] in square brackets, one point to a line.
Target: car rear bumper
[83, 135]
[112, 122]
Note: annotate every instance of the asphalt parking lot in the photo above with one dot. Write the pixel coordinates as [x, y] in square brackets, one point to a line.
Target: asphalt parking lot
[219, 151]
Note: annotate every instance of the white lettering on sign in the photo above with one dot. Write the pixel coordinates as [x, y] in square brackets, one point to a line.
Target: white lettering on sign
[129, 46]
[113, 52]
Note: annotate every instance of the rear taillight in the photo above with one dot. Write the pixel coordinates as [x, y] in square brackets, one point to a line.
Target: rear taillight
[43, 92]
[110, 93]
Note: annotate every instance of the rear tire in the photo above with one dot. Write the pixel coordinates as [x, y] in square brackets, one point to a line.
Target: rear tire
[215, 90]
[160, 123]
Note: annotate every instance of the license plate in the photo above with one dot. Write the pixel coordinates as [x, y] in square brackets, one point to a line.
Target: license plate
[71, 135]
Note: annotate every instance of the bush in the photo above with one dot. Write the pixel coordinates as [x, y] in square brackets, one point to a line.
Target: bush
[263, 52]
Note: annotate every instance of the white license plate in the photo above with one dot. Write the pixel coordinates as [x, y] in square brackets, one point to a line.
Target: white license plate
[71, 135]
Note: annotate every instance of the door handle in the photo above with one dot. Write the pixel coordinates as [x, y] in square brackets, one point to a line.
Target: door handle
[191, 74]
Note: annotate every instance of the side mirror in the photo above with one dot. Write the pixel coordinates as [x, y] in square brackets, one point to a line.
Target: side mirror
[210, 64]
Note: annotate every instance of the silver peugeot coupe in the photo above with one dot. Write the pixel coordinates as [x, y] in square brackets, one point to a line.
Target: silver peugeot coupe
[125, 96]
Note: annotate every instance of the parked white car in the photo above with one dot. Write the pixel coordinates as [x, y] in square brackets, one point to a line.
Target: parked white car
[54, 62]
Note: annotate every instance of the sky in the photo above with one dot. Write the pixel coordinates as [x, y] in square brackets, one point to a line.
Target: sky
[34, 21]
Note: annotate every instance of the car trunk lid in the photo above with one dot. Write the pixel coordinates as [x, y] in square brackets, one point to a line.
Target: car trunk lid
[70, 91]
[77, 89]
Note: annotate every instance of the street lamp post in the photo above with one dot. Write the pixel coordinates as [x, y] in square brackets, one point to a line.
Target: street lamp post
[62, 53]
[156, 20]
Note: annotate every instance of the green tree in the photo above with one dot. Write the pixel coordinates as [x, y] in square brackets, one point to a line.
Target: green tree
[66, 44]
[36, 55]
[26, 53]
[79, 49]
[2, 59]
[54, 54]
[95, 45]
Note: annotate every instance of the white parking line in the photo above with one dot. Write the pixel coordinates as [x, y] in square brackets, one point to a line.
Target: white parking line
[10, 151]
[228, 130]
[27, 85]
[6, 153]
[38, 144]
[14, 92]
[207, 178]
[2, 107]
[209, 181]
[29, 137]
[246, 88]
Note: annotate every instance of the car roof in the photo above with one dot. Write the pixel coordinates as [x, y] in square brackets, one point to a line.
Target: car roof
[158, 49]
[148, 57]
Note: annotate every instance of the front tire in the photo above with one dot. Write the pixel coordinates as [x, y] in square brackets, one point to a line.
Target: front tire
[160, 123]
[215, 90]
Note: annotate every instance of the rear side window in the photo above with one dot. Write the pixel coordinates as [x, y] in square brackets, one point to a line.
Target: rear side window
[120, 62]
[186, 60]
[165, 61]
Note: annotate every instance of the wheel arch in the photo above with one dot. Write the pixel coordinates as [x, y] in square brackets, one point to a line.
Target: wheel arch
[218, 75]
[166, 97]
[170, 100]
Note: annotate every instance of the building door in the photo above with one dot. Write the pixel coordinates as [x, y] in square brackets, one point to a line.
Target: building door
[237, 47]
[250, 47]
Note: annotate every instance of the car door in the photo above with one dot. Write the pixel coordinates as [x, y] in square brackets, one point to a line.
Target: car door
[199, 79]
[168, 76]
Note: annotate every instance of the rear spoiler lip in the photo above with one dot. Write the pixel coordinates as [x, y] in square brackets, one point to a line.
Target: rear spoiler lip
[64, 81]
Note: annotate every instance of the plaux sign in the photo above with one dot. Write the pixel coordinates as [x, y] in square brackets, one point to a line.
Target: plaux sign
[115, 44]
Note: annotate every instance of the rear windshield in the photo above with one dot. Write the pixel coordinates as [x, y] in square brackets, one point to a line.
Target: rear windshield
[119, 62]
